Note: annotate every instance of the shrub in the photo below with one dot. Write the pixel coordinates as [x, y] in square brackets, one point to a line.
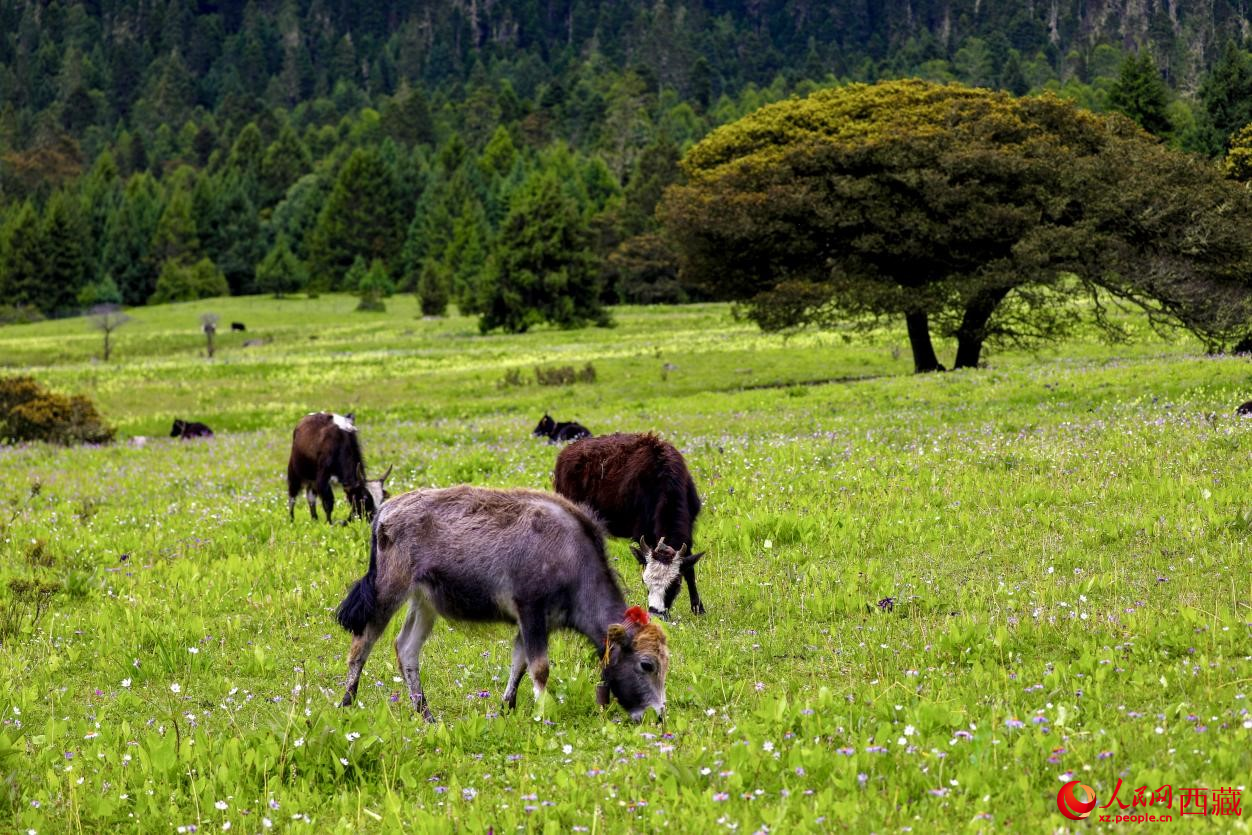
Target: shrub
[565, 375]
[373, 287]
[19, 314]
[29, 412]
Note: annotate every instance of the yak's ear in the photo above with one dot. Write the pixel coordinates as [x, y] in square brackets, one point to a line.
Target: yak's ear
[389, 469]
[641, 551]
[692, 559]
[351, 416]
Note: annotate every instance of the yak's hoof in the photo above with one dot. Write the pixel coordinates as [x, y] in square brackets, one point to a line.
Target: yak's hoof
[697, 608]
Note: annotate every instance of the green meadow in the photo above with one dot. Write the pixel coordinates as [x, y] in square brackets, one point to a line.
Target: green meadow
[932, 601]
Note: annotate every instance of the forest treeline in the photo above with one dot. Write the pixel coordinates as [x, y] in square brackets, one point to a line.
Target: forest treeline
[505, 156]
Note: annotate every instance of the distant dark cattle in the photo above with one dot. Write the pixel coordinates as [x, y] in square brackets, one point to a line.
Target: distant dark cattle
[190, 429]
[237, 326]
[324, 449]
[505, 556]
[560, 432]
[1245, 409]
[640, 485]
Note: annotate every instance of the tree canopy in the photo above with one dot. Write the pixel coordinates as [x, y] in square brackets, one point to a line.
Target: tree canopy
[967, 209]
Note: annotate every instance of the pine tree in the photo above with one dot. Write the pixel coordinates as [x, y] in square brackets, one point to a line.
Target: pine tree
[176, 238]
[280, 272]
[541, 269]
[433, 288]
[1226, 95]
[181, 282]
[67, 264]
[232, 233]
[364, 216]
[373, 287]
[21, 259]
[128, 240]
[1140, 93]
[286, 160]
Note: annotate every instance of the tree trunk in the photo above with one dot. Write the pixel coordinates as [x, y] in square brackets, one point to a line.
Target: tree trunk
[924, 358]
[973, 330]
[106, 346]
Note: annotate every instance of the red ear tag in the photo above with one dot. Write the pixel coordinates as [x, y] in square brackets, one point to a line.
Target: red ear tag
[636, 615]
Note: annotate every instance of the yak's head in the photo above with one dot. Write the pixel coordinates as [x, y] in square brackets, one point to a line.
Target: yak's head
[367, 495]
[545, 428]
[179, 425]
[635, 662]
[662, 572]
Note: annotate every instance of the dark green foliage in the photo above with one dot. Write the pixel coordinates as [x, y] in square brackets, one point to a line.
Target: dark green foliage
[65, 242]
[434, 288]
[29, 412]
[540, 269]
[128, 234]
[21, 259]
[364, 216]
[644, 270]
[183, 282]
[1227, 99]
[100, 292]
[281, 272]
[1141, 94]
[374, 286]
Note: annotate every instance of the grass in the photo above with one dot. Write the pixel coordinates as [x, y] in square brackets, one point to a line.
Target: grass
[1063, 538]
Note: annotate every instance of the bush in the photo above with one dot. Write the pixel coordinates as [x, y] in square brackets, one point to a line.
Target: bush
[373, 287]
[434, 286]
[180, 282]
[29, 412]
[19, 314]
[565, 375]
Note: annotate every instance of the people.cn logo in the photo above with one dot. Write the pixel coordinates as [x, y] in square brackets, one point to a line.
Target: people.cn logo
[1076, 800]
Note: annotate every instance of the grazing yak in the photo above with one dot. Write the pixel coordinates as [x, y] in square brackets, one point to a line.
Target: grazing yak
[560, 432]
[186, 429]
[238, 326]
[1245, 409]
[509, 556]
[640, 486]
[325, 448]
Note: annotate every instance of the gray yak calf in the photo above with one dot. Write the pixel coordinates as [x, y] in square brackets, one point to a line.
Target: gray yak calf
[512, 556]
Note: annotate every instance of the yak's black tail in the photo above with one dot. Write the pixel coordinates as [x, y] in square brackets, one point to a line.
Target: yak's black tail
[360, 606]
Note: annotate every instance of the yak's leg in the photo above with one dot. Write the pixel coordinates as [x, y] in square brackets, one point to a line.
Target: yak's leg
[361, 646]
[416, 629]
[689, 574]
[293, 490]
[311, 497]
[516, 670]
[534, 632]
[328, 497]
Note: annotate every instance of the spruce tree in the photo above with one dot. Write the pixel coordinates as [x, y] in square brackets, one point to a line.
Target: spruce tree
[1226, 95]
[364, 216]
[128, 240]
[280, 272]
[541, 269]
[286, 160]
[373, 287]
[1140, 93]
[67, 264]
[22, 258]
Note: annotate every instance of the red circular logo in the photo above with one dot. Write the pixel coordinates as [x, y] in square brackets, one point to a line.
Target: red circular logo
[1076, 800]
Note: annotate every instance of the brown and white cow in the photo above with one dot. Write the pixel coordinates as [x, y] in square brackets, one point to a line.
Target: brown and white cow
[324, 449]
[640, 486]
[475, 554]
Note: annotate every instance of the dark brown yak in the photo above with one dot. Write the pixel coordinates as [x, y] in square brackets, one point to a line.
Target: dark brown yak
[640, 486]
[510, 556]
[559, 433]
[325, 448]
[186, 429]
